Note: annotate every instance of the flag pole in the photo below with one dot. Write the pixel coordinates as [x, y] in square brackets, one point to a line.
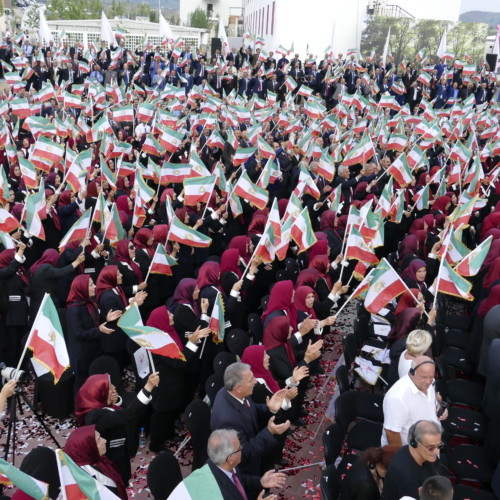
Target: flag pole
[30, 336]
[206, 206]
[150, 356]
[352, 294]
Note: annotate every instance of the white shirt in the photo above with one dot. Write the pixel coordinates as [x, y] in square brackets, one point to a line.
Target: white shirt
[404, 365]
[404, 405]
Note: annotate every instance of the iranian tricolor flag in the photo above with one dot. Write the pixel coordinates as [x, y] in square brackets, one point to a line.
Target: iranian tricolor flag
[145, 112]
[76, 484]
[362, 289]
[421, 199]
[302, 232]
[75, 177]
[35, 212]
[153, 339]
[78, 230]
[187, 235]
[363, 151]
[472, 262]
[385, 286]
[174, 172]
[28, 172]
[282, 246]
[415, 156]
[124, 114]
[401, 171]
[462, 213]
[424, 78]
[161, 262]
[171, 139]
[460, 152]
[199, 485]
[71, 101]
[217, 323]
[384, 202]
[326, 167]
[266, 248]
[357, 248]
[389, 101]
[249, 191]
[397, 142]
[47, 150]
[215, 140]
[113, 229]
[242, 155]
[198, 167]
[46, 340]
[334, 198]
[198, 189]
[8, 222]
[32, 487]
[265, 150]
[450, 282]
[108, 175]
[290, 83]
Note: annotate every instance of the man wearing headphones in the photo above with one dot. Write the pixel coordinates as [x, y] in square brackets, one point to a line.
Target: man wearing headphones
[414, 463]
[410, 399]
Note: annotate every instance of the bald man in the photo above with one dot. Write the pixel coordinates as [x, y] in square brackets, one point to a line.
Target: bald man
[410, 399]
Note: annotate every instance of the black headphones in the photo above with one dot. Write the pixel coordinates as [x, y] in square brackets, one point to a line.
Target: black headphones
[413, 442]
[413, 370]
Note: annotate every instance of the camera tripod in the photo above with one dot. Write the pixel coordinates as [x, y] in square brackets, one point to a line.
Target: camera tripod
[15, 401]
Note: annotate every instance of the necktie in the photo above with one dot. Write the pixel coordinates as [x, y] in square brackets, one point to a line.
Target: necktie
[246, 403]
[239, 486]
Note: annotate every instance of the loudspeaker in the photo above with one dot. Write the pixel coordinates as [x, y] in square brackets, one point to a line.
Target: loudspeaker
[491, 59]
[216, 44]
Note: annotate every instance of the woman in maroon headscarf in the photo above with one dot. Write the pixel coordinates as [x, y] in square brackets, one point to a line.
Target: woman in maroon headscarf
[319, 248]
[407, 299]
[132, 277]
[307, 277]
[45, 278]
[179, 377]
[415, 277]
[96, 403]
[144, 248]
[307, 304]
[404, 323]
[441, 205]
[68, 208]
[328, 224]
[84, 330]
[283, 359]
[15, 176]
[111, 297]
[492, 277]
[245, 248]
[87, 448]
[14, 304]
[321, 264]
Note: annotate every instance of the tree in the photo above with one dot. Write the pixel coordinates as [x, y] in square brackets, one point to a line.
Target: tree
[66, 9]
[174, 21]
[153, 16]
[199, 19]
[32, 17]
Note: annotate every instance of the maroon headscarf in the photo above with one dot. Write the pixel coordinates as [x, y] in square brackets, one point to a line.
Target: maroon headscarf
[493, 274]
[159, 319]
[122, 204]
[404, 323]
[429, 220]
[417, 225]
[492, 300]
[81, 447]
[160, 233]
[491, 221]
[411, 273]
[282, 204]
[257, 225]
[122, 255]
[92, 395]
[307, 277]
[301, 294]
[141, 239]
[107, 280]
[241, 243]
[50, 256]
[276, 334]
[409, 246]
[422, 238]
[280, 299]
[327, 221]
[229, 262]
[79, 296]
[407, 300]
[209, 275]
[6, 258]
[440, 204]
[319, 248]
[321, 263]
[492, 254]
[184, 294]
[254, 356]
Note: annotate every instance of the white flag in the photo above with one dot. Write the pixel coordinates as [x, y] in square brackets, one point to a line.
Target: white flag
[107, 32]
[44, 30]
[223, 38]
[442, 45]
[166, 32]
[386, 47]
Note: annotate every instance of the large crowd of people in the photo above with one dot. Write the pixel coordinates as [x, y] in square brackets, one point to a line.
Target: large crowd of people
[411, 149]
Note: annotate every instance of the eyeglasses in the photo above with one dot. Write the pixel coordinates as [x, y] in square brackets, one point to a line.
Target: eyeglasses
[234, 452]
[432, 447]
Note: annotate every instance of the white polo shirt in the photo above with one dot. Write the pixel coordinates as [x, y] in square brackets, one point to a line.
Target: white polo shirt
[404, 405]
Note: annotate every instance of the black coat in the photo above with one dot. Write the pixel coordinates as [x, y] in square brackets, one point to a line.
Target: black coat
[116, 341]
[13, 290]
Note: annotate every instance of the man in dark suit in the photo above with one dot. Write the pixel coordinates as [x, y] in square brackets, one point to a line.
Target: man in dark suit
[234, 409]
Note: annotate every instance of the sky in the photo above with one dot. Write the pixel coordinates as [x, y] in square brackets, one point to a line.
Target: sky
[484, 5]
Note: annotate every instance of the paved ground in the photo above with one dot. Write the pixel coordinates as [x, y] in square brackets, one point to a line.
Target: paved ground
[304, 446]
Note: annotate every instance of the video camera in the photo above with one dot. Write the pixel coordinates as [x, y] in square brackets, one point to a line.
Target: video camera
[9, 373]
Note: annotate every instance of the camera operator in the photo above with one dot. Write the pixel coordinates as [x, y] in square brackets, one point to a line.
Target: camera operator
[6, 392]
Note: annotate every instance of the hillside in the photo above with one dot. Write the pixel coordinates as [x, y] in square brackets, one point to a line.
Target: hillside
[476, 16]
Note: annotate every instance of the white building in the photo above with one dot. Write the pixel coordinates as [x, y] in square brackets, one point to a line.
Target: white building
[223, 9]
[320, 23]
[89, 30]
